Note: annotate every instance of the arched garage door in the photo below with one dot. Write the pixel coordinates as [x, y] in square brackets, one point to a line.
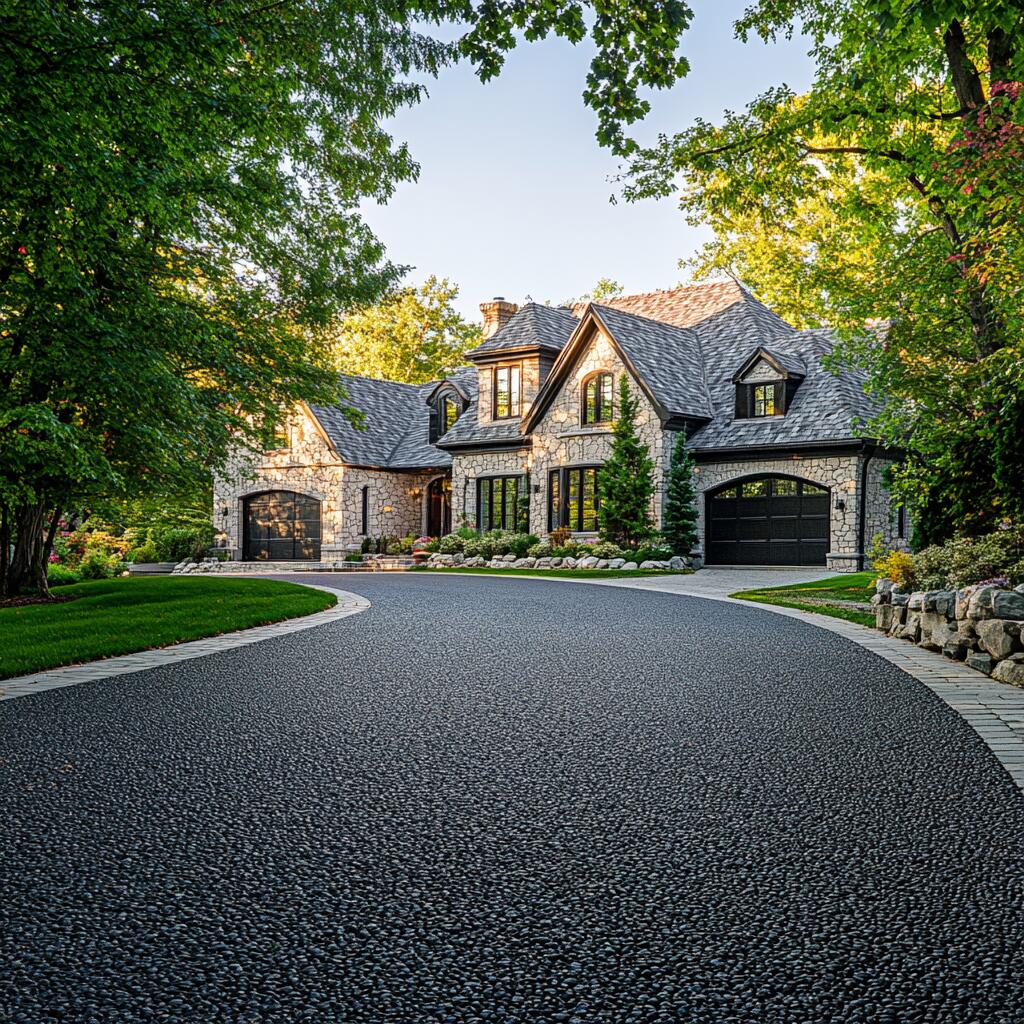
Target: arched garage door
[768, 520]
[282, 526]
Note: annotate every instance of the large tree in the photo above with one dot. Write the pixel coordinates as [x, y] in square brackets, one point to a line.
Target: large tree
[179, 220]
[412, 335]
[893, 192]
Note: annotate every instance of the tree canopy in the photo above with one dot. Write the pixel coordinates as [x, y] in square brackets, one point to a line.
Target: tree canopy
[180, 214]
[891, 195]
[412, 335]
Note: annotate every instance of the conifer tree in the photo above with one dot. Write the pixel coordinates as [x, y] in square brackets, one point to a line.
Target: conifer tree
[626, 480]
[680, 524]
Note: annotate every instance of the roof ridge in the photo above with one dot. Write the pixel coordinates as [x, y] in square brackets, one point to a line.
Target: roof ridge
[640, 316]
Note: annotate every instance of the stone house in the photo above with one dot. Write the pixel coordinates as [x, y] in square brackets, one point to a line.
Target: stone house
[785, 476]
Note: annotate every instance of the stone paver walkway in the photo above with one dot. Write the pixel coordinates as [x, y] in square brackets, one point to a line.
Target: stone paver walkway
[70, 675]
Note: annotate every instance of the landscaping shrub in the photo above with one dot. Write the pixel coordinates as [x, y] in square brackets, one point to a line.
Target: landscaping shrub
[97, 564]
[542, 549]
[606, 549]
[559, 538]
[367, 546]
[145, 552]
[466, 532]
[966, 560]
[520, 543]
[451, 545]
[406, 543]
[62, 575]
[649, 554]
[353, 557]
[897, 566]
[183, 543]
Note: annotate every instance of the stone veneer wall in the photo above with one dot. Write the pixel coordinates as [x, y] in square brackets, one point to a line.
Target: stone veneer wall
[466, 469]
[529, 382]
[560, 440]
[309, 466]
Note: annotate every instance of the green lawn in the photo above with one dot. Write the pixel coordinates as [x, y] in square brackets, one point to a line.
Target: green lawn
[826, 597]
[586, 574]
[122, 616]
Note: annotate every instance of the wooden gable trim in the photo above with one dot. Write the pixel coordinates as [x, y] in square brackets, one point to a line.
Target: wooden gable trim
[759, 355]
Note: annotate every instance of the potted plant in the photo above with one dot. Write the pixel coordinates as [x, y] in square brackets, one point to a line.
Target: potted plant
[420, 551]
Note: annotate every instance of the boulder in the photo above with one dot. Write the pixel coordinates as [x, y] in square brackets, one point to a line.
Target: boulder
[602, 563]
[649, 564]
[629, 565]
[911, 629]
[944, 633]
[883, 616]
[587, 562]
[899, 599]
[955, 650]
[980, 662]
[1000, 637]
[884, 587]
[616, 563]
[963, 598]
[543, 563]
[677, 563]
[1019, 589]
[520, 563]
[916, 602]
[1008, 604]
[556, 562]
[945, 603]
[1010, 670]
[475, 562]
[569, 562]
[458, 558]
[510, 558]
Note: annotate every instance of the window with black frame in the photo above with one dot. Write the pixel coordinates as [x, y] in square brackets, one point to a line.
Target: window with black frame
[598, 401]
[573, 498]
[507, 391]
[497, 499]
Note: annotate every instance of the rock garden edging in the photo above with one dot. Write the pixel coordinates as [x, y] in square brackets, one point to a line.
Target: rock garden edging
[980, 625]
[587, 562]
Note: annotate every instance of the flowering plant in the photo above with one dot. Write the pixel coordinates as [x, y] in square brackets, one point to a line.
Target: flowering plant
[420, 543]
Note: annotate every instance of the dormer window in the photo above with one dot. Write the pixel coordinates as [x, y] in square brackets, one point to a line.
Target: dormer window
[598, 402]
[766, 383]
[447, 408]
[508, 391]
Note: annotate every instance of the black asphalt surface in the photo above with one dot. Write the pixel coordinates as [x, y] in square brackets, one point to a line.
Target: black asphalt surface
[510, 801]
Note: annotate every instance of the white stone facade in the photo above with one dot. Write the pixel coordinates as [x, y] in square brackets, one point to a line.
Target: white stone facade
[396, 501]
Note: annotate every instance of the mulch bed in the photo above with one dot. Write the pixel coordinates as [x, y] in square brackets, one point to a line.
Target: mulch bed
[23, 599]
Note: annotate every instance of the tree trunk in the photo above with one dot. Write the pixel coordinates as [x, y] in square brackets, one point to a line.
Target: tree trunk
[32, 545]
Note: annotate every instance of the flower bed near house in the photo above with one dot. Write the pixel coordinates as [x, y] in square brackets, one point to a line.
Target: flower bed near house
[980, 625]
[511, 561]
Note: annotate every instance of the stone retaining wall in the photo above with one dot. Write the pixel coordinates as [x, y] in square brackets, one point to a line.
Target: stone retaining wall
[981, 625]
[586, 562]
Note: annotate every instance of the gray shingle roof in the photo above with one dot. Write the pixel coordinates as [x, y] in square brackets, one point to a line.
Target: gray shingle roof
[668, 358]
[534, 324]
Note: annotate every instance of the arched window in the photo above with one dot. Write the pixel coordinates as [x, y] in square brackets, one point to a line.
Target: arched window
[598, 404]
[445, 410]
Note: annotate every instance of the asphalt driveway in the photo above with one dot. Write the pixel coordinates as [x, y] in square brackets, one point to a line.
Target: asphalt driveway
[510, 801]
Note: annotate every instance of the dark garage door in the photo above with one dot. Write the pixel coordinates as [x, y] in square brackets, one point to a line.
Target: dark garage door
[768, 520]
[282, 526]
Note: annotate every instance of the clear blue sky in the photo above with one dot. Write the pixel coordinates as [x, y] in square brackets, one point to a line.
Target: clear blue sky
[513, 195]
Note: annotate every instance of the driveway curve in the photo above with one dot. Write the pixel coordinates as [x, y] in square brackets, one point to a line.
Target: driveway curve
[511, 802]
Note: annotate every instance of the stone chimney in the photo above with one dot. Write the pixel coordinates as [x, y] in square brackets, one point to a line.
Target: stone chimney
[496, 313]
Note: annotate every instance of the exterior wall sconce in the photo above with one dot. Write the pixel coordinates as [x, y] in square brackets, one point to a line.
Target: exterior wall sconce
[388, 508]
[840, 505]
[223, 511]
[414, 492]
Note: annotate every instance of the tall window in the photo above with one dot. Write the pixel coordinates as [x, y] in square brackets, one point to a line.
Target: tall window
[508, 381]
[598, 404]
[901, 522]
[364, 518]
[573, 498]
[764, 399]
[449, 413]
[497, 499]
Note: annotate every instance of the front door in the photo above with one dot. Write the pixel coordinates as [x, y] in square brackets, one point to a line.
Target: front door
[439, 507]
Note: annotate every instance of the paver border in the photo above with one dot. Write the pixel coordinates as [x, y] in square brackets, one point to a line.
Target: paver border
[993, 709]
[122, 664]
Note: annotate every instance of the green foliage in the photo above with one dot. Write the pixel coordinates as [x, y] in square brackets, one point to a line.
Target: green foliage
[520, 543]
[181, 218]
[146, 552]
[966, 560]
[897, 566]
[680, 517]
[891, 194]
[366, 547]
[626, 480]
[452, 544]
[467, 532]
[353, 557]
[606, 549]
[62, 575]
[96, 564]
[412, 334]
[179, 545]
[111, 617]
[650, 553]
[542, 549]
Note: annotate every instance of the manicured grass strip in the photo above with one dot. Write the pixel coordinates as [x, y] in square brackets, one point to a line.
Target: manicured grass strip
[122, 616]
[856, 586]
[836, 611]
[603, 574]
